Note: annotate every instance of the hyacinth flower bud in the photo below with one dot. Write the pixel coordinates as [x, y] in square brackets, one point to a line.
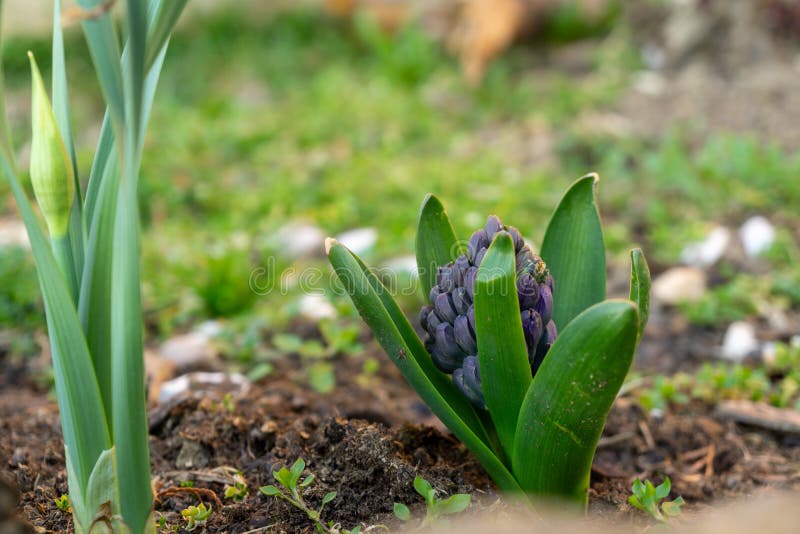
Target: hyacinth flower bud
[449, 319]
[51, 171]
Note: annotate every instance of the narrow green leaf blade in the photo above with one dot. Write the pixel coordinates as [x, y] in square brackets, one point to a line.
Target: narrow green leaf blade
[83, 420]
[6, 148]
[437, 391]
[640, 287]
[566, 407]
[502, 352]
[574, 252]
[130, 428]
[164, 14]
[436, 241]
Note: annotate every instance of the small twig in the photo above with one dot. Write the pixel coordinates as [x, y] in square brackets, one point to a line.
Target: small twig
[647, 435]
[712, 453]
[197, 492]
[607, 441]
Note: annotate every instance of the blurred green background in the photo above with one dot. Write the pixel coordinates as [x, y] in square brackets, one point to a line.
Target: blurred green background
[277, 127]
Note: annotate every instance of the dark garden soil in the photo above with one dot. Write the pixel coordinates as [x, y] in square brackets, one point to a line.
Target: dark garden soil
[367, 441]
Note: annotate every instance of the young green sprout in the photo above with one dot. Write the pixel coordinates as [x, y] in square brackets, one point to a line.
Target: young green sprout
[239, 490]
[648, 498]
[196, 516]
[522, 356]
[435, 507]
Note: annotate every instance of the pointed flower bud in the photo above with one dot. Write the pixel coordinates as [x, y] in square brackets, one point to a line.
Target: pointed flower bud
[51, 169]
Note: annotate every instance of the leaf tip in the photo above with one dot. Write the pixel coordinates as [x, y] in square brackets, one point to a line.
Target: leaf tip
[329, 243]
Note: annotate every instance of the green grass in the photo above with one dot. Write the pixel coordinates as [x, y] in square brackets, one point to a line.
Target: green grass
[297, 117]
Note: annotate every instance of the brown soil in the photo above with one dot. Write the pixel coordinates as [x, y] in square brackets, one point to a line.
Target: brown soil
[367, 441]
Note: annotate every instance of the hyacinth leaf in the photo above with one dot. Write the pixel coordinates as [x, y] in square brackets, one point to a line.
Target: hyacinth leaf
[640, 286]
[369, 297]
[574, 252]
[566, 407]
[83, 419]
[437, 244]
[503, 355]
[443, 384]
[6, 149]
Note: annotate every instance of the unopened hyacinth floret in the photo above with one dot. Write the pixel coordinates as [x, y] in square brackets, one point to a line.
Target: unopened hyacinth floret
[449, 320]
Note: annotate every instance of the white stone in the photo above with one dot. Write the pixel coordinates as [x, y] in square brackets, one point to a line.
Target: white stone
[739, 342]
[316, 306]
[202, 383]
[402, 264]
[194, 349]
[757, 235]
[359, 240]
[679, 284]
[13, 234]
[300, 239]
[707, 252]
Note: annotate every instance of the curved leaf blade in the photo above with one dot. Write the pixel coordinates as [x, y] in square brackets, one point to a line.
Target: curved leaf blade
[402, 345]
[640, 287]
[502, 353]
[436, 244]
[566, 407]
[574, 252]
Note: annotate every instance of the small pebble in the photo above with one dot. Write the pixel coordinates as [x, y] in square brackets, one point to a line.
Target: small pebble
[739, 342]
[757, 235]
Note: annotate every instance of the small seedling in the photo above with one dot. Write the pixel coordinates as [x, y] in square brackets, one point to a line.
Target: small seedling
[436, 507]
[292, 492]
[164, 527]
[648, 498]
[186, 483]
[238, 491]
[63, 503]
[196, 516]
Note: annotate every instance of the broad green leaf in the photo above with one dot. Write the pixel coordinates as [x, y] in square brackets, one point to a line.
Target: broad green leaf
[502, 352]
[296, 471]
[574, 252]
[453, 504]
[566, 407]
[102, 487]
[437, 244]
[328, 497]
[640, 287]
[404, 348]
[83, 420]
[662, 490]
[269, 491]
[441, 381]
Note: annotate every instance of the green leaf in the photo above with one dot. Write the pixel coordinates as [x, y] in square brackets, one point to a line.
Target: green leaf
[424, 488]
[6, 148]
[640, 287]
[662, 491]
[502, 352]
[672, 508]
[453, 504]
[321, 377]
[284, 476]
[307, 481]
[296, 471]
[568, 401]
[401, 511]
[162, 20]
[269, 491]
[404, 348]
[328, 497]
[437, 244]
[574, 252]
[83, 420]
[102, 487]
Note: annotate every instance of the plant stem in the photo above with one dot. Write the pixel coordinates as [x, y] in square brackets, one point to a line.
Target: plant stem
[62, 250]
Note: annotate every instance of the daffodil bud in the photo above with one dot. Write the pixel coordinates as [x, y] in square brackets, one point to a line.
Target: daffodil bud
[51, 169]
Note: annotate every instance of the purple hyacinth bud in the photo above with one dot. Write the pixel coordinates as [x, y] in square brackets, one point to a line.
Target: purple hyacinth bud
[433, 320]
[493, 225]
[516, 237]
[477, 241]
[524, 258]
[545, 303]
[532, 327]
[479, 256]
[445, 278]
[467, 380]
[464, 336]
[444, 307]
[471, 320]
[469, 282]
[527, 291]
[550, 282]
[548, 338]
[449, 354]
[433, 294]
[460, 300]
[460, 269]
[423, 316]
